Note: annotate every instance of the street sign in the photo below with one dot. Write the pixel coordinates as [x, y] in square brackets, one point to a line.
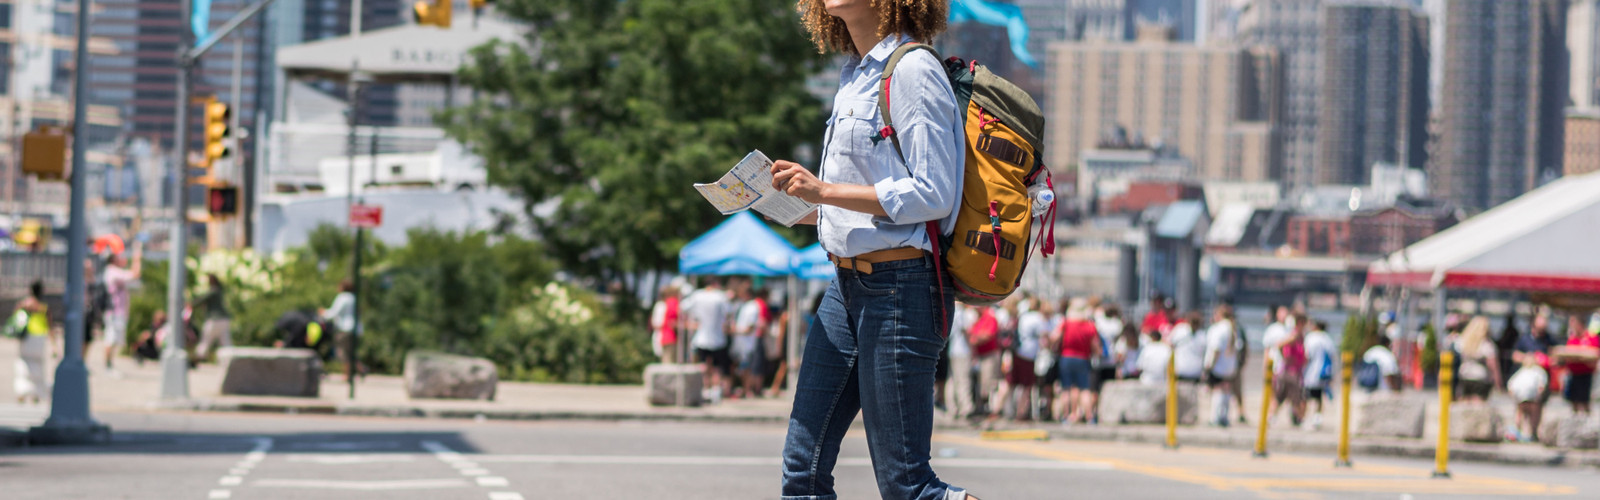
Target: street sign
[367, 216]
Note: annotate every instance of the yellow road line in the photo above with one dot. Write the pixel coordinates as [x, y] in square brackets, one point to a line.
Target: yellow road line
[1390, 479]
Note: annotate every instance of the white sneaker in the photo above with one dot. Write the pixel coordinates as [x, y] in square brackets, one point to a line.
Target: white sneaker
[1315, 423]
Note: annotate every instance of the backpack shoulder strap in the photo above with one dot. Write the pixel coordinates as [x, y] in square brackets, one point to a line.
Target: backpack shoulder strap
[883, 95]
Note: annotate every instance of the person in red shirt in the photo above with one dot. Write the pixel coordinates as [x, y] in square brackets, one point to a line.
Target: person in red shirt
[1159, 319]
[1580, 381]
[664, 318]
[1079, 341]
[1288, 383]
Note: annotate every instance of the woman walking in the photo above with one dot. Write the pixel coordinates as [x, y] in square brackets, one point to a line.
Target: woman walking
[875, 342]
[33, 317]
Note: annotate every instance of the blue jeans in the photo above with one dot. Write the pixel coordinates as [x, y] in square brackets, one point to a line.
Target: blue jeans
[873, 347]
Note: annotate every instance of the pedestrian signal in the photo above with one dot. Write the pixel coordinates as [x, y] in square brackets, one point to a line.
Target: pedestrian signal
[222, 201]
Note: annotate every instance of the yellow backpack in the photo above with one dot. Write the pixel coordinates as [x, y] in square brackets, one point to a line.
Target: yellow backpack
[992, 240]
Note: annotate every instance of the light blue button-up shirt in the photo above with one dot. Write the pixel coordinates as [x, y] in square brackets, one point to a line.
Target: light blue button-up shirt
[926, 185]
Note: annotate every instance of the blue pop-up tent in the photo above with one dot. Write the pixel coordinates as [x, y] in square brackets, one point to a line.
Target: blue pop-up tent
[741, 245]
[811, 263]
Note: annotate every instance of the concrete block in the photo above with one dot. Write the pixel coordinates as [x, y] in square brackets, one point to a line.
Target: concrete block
[1477, 423]
[1573, 432]
[260, 371]
[673, 385]
[1388, 415]
[436, 375]
[1132, 402]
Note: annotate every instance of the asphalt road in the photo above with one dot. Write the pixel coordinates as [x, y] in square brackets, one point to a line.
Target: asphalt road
[216, 456]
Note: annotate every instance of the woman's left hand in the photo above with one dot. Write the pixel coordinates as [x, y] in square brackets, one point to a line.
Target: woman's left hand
[796, 181]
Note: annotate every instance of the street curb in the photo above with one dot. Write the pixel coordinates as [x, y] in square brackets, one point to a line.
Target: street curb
[1326, 445]
[318, 408]
[13, 438]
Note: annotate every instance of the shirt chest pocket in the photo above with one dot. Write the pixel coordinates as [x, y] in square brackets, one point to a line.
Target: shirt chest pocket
[855, 127]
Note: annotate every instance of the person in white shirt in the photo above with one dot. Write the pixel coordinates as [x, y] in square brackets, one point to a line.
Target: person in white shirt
[707, 312]
[1274, 336]
[1032, 326]
[1388, 366]
[746, 350]
[1321, 354]
[1108, 324]
[1220, 362]
[1153, 359]
[1190, 344]
[960, 352]
[1528, 386]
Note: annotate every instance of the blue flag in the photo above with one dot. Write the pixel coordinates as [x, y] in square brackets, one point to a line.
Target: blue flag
[200, 20]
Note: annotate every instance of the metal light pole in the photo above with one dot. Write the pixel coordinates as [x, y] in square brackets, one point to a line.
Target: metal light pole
[69, 420]
[174, 360]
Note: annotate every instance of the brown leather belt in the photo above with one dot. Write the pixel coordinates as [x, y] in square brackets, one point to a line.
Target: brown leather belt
[863, 263]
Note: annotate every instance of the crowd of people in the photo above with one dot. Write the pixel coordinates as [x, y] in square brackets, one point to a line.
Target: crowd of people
[1529, 366]
[1029, 359]
[735, 332]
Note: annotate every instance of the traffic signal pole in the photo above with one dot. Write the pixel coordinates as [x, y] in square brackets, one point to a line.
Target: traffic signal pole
[69, 421]
[174, 360]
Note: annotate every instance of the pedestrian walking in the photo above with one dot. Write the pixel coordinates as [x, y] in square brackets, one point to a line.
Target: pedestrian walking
[1189, 341]
[341, 314]
[707, 311]
[960, 354]
[1580, 374]
[1479, 373]
[1529, 386]
[984, 336]
[217, 329]
[1287, 383]
[1108, 324]
[747, 350]
[1505, 347]
[664, 324]
[1079, 342]
[1378, 369]
[1220, 363]
[30, 324]
[875, 343]
[1320, 363]
[1032, 326]
[119, 277]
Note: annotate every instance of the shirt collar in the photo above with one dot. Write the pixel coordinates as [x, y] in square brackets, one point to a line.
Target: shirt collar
[883, 49]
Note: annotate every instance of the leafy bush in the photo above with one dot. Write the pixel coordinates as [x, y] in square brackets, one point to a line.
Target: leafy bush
[473, 294]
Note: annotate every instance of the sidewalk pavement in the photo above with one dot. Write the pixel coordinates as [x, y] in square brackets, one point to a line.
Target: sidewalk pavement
[136, 388]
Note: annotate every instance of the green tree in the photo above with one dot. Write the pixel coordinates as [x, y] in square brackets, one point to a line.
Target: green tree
[623, 106]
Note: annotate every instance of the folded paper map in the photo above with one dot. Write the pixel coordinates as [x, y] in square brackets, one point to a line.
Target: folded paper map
[749, 186]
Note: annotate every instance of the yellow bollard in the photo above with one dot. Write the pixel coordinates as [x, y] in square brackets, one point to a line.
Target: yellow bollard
[1447, 377]
[1172, 400]
[1266, 401]
[1349, 359]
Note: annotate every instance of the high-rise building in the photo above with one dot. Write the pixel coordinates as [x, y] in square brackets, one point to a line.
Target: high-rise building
[300, 21]
[1583, 44]
[141, 76]
[1292, 27]
[1118, 19]
[1373, 95]
[1215, 105]
[1502, 100]
[38, 46]
[1582, 148]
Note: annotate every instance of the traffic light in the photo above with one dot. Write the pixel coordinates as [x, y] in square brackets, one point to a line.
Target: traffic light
[479, 4]
[217, 115]
[433, 12]
[222, 201]
[44, 152]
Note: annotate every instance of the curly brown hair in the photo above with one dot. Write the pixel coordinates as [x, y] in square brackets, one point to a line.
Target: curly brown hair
[920, 19]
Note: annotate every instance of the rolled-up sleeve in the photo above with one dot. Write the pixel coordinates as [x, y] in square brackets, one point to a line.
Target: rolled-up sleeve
[929, 127]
